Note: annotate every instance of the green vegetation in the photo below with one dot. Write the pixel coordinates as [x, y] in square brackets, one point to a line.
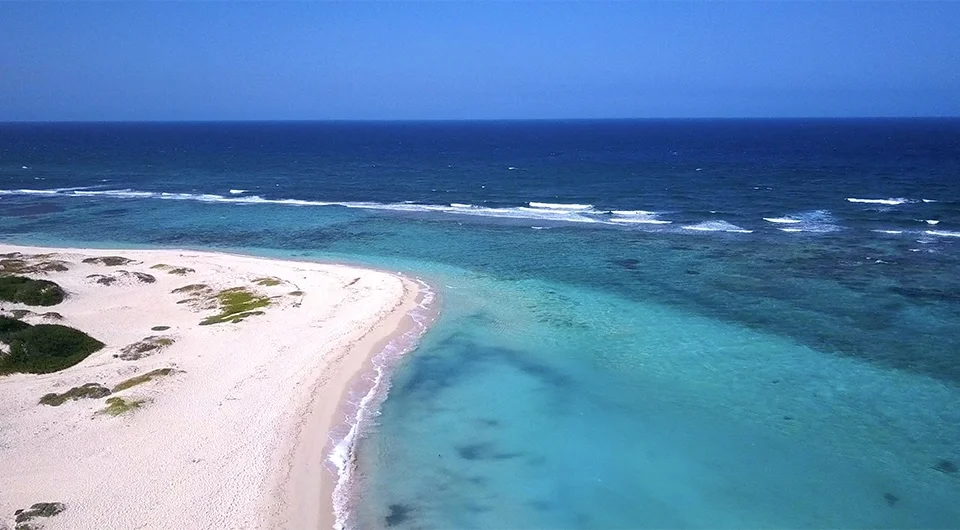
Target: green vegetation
[268, 281]
[236, 304]
[146, 347]
[87, 391]
[117, 406]
[143, 378]
[159, 328]
[192, 288]
[179, 271]
[110, 279]
[20, 264]
[52, 315]
[109, 261]
[103, 280]
[9, 326]
[43, 348]
[295, 293]
[142, 276]
[20, 313]
[23, 290]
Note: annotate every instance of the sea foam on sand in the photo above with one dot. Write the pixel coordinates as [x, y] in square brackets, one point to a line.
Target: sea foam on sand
[235, 437]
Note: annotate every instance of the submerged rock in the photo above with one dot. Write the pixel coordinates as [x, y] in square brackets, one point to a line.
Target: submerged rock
[398, 514]
[945, 466]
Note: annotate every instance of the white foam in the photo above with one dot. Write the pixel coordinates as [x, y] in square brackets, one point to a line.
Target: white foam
[51, 191]
[237, 192]
[888, 202]
[942, 233]
[554, 206]
[460, 205]
[929, 200]
[343, 455]
[636, 217]
[640, 221]
[717, 226]
[816, 221]
[932, 222]
[888, 231]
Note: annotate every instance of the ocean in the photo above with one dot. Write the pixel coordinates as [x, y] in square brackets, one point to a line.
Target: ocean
[643, 323]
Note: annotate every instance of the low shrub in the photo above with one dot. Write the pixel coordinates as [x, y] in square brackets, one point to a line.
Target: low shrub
[23, 290]
[43, 348]
[109, 261]
[87, 391]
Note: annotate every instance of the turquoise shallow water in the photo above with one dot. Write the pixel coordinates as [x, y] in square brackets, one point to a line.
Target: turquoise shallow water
[590, 374]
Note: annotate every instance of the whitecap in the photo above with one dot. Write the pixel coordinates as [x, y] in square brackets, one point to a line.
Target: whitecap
[888, 202]
[554, 206]
[888, 231]
[816, 221]
[237, 192]
[460, 205]
[717, 226]
[942, 233]
[636, 217]
[932, 222]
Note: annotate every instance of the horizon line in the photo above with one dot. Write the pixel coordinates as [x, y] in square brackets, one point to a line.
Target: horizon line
[489, 120]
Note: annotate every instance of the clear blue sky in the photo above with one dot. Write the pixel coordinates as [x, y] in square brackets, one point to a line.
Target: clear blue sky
[458, 60]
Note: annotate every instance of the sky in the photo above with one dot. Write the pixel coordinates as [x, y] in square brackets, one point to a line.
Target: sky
[484, 60]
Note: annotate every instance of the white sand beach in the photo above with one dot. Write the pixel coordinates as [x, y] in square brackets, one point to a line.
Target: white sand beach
[234, 435]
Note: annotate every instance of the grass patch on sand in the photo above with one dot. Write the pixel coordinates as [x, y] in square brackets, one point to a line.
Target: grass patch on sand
[43, 348]
[87, 391]
[159, 328]
[23, 290]
[110, 279]
[109, 261]
[143, 378]
[179, 271]
[236, 304]
[192, 288]
[296, 293]
[17, 263]
[144, 348]
[268, 281]
[117, 406]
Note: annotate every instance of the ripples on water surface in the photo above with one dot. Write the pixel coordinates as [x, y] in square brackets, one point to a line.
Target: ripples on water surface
[645, 324]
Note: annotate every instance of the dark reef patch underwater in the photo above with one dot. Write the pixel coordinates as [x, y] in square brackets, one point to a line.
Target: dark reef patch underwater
[646, 324]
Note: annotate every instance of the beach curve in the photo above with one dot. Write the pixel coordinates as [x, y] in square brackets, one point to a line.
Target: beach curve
[226, 440]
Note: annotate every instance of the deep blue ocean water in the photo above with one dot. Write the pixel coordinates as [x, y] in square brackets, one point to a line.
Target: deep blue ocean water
[645, 324]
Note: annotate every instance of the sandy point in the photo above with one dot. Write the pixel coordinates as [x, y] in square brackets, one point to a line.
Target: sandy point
[233, 412]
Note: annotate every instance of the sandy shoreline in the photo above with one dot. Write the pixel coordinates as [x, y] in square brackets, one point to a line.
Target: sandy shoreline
[236, 435]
